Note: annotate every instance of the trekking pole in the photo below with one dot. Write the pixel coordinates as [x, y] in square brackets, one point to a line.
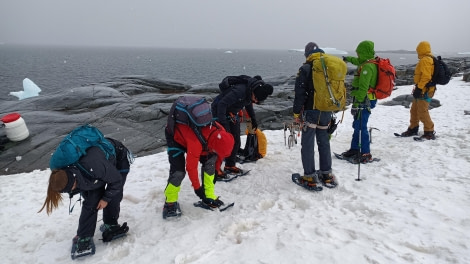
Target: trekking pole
[360, 142]
[285, 129]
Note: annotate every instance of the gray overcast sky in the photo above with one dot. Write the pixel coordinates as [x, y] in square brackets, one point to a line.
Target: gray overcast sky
[238, 24]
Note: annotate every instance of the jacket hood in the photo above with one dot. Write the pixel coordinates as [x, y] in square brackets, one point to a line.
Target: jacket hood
[423, 49]
[365, 50]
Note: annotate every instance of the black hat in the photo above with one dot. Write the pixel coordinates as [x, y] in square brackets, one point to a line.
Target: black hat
[311, 46]
[262, 91]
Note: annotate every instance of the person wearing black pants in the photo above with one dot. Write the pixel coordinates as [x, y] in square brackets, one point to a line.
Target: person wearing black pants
[100, 181]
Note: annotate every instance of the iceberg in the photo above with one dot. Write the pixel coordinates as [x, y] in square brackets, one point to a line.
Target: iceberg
[328, 50]
[30, 89]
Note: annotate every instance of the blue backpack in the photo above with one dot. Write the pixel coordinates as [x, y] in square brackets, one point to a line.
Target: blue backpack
[75, 144]
[193, 111]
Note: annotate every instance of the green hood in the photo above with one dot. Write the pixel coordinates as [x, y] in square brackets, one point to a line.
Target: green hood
[365, 51]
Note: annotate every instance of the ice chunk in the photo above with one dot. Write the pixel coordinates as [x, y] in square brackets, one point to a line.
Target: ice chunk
[30, 89]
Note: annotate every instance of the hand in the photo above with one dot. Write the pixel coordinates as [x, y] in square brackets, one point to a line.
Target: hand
[345, 59]
[354, 111]
[200, 193]
[297, 120]
[254, 124]
[417, 93]
[101, 205]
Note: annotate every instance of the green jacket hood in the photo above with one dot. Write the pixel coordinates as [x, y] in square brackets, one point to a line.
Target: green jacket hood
[365, 50]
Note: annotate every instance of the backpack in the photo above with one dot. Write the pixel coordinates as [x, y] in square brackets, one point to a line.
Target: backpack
[75, 144]
[328, 73]
[385, 78]
[193, 111]
[230, 81]
[255, 146]
[441, 74]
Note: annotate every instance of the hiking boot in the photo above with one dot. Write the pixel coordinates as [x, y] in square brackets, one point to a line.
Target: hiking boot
[410, 132]
[429, 135]
[329, 180]
[171, 210]
[232, 169]
[366, 157]
[310, 180]
[220, 175]
[111, 232]
[351, 153]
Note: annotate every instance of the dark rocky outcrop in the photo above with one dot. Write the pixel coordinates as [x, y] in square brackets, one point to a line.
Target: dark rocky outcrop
[133, 109]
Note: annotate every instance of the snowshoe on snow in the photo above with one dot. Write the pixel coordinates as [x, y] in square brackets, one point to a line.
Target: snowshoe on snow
[307, 184]
[82, 246]
[211, 204]
[112, 232]
[171, 210]
[355, 159]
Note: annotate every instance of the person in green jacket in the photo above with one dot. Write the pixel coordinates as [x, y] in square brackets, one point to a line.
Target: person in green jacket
[363, 101]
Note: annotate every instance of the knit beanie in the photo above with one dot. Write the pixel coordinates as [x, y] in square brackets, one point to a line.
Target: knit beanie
[263, 91]
[221, 142]
[311, 46]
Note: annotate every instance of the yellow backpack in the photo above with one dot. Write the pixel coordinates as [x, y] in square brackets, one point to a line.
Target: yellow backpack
[328, 73]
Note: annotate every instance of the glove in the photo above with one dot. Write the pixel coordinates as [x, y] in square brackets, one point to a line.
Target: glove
[345, 59]
[254, 124]
[417, 93]
[354, 111]
[200, 193]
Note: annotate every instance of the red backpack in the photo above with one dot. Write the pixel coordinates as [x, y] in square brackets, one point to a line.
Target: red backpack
[385, 78]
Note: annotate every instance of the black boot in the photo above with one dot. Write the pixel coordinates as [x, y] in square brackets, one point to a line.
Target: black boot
[429, 135]
[351, 153]
[410, 132]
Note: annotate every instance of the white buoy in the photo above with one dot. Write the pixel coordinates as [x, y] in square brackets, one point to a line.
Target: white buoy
[15, 127]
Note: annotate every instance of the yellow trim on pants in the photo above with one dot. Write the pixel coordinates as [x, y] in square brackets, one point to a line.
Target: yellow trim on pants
[171, 193]
[209, 186]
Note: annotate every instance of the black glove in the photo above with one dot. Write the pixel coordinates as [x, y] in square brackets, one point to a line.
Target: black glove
[354, 111]
[254, 124]
[417, 93]
[200, 193]
[345, 59]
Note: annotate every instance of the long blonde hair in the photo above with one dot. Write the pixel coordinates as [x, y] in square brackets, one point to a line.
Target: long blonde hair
[57, 182]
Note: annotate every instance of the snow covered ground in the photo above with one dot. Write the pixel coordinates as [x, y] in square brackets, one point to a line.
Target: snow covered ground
[411, 207]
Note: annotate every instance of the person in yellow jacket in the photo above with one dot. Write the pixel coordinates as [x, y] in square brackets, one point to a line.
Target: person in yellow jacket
[422, 93]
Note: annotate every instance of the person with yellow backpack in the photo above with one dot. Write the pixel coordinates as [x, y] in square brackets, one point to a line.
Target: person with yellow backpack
[311, 84]
[364, 100]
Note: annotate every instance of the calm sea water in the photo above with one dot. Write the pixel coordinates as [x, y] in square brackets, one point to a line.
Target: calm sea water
[53, 68]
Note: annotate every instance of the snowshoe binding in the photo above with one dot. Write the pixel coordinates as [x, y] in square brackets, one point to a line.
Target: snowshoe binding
[171, 210]
[211, 204]
[82, 246]
[311, 185]
[112, 232]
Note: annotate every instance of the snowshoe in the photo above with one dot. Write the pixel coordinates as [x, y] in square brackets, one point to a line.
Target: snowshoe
[171, 210]
[230, 176]
[82, 247]
[297, 179]
[355, 159]
[112, 232]
[210, 204]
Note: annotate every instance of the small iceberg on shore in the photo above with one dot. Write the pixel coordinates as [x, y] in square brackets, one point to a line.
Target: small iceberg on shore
[30, 89]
